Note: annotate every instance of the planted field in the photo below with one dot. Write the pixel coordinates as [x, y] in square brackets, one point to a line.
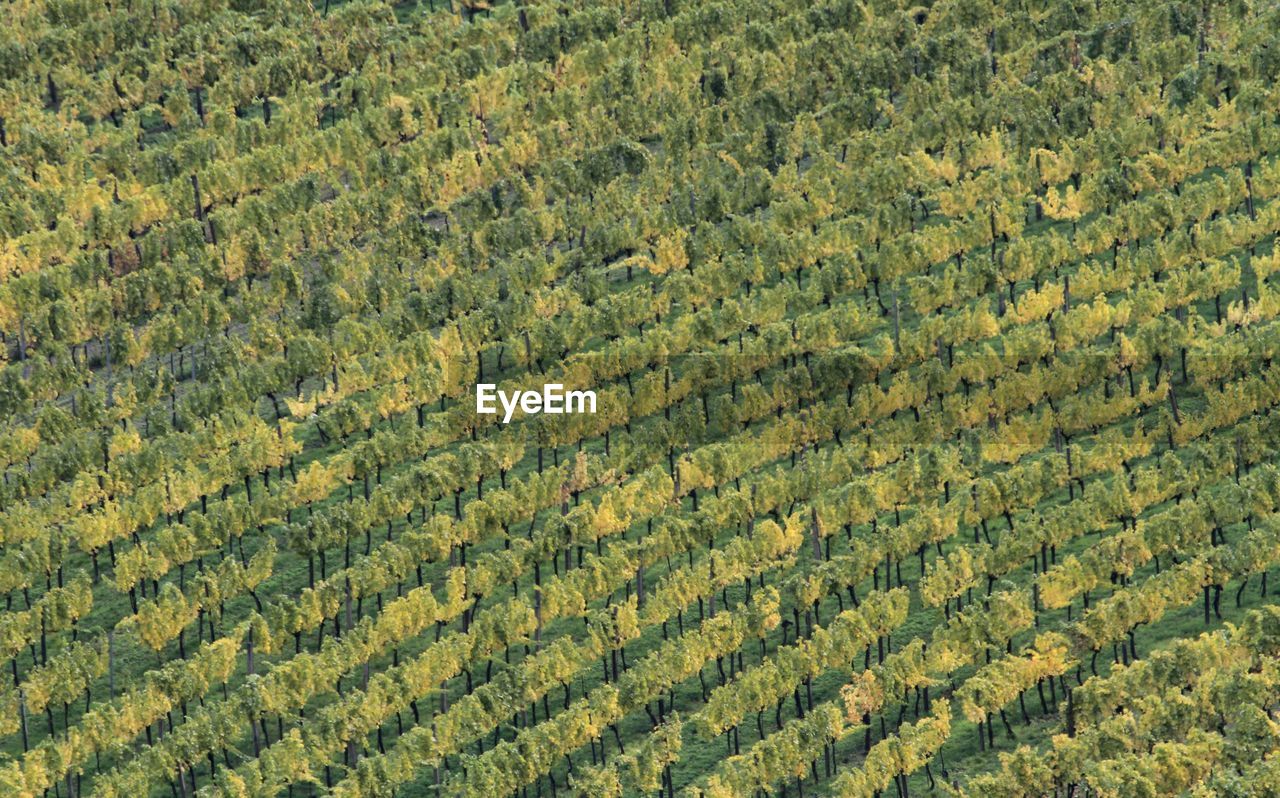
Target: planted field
[934, 419]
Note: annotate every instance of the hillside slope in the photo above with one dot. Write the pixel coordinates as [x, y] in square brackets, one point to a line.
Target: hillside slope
[933, 354]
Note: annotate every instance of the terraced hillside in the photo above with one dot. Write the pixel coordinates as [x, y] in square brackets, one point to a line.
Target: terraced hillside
[935, 355]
